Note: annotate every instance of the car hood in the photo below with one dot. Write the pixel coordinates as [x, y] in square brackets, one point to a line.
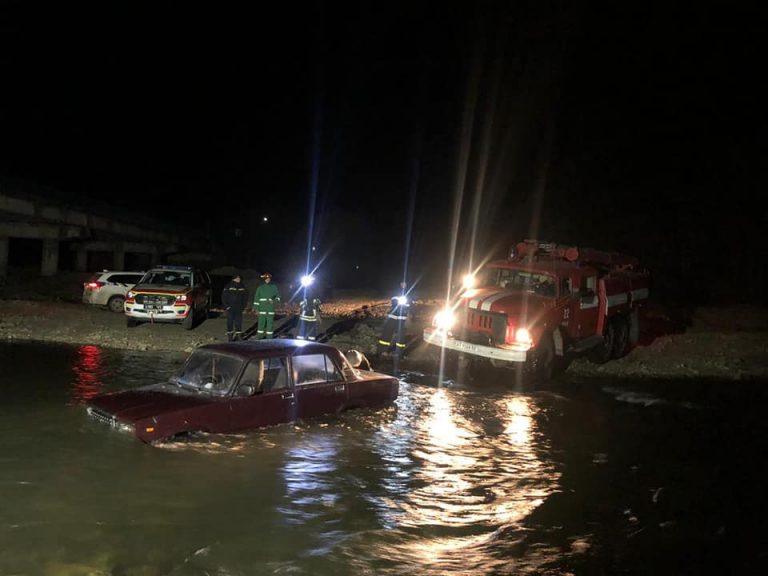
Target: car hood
[513, 304]
[160, 289]
[133, 405]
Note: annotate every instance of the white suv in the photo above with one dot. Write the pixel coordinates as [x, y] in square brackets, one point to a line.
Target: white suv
[108, 288]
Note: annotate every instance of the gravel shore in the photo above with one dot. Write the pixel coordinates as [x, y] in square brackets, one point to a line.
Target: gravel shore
[719, 343]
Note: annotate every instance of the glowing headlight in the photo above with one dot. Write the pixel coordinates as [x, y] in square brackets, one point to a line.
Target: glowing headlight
[131, 294]
[181, 298]
[307, 280]
[522, 335]
[444, 319]
[469, 281]
[402, 300]
[123, 427]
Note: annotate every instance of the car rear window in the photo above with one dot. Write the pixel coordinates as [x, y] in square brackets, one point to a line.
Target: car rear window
[124, 278]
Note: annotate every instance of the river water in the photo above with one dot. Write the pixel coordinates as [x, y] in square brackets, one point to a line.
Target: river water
[595, 477]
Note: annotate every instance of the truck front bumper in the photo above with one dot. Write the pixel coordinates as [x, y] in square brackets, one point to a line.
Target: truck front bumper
[173, 313]
[440, 338]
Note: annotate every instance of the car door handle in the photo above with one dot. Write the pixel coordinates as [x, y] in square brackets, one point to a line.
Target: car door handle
[288, 396]
[339, 388]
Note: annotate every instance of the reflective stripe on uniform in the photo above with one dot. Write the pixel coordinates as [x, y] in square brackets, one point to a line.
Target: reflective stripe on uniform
[397, 317]
[308, 318]
[384, 342]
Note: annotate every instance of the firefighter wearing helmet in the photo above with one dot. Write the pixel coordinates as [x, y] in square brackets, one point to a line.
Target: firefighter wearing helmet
[392, 336]
[309, 318]
[264, 301]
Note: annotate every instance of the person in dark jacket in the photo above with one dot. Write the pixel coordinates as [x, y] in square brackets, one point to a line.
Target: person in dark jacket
[392, 336]
[309, 317]
[234, 297]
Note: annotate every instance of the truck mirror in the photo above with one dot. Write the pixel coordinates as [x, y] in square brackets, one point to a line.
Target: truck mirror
[587, 294]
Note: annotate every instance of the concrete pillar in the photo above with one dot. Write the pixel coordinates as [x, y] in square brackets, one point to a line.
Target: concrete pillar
[81, 260]
[50, 263]
[3, 257]
[119, 256]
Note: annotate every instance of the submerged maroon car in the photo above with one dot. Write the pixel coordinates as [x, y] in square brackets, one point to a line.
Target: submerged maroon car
[244, 385]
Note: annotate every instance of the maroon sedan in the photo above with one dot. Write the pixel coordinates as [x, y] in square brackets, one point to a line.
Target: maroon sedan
[244, 385]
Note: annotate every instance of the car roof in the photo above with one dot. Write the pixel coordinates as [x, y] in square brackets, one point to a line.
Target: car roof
[275, 347]
[169, 267]
[121, 272]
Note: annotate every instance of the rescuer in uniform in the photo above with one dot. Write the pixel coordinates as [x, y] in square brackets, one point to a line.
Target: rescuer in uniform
[234, 297]
[264, 301]
[392, 336]
[309, 316]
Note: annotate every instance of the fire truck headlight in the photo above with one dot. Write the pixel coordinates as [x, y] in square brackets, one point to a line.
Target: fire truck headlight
[469, 281]
[402, 300]
[131, 294]
[522, 335]
[307, 280]
[181, 298]
[444, 320]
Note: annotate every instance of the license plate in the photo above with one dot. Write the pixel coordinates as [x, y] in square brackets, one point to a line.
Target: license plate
[152, 306]
[465, 346]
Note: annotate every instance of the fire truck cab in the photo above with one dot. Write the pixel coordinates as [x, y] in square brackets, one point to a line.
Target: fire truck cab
[544, 303]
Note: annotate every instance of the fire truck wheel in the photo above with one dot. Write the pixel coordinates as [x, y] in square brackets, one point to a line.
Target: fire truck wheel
[601, 353]
[621, 338]
[544, 360]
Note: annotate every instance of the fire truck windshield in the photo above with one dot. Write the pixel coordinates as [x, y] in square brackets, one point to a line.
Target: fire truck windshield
[518, 280]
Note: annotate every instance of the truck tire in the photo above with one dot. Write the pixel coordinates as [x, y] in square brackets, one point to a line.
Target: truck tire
[601, 353]
[544, 360]
[621, 338]
[189, 322]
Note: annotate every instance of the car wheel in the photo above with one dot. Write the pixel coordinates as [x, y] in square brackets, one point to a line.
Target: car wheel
[116, 304]
[189, 322]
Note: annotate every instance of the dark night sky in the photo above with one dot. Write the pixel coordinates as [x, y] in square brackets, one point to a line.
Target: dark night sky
[628, 128]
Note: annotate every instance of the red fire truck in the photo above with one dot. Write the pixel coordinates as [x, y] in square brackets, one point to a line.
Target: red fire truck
[542, 305]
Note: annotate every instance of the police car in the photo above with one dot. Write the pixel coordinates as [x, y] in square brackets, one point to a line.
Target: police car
[108, 288]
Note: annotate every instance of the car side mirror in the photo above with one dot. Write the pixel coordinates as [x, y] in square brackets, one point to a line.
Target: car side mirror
[245, 390]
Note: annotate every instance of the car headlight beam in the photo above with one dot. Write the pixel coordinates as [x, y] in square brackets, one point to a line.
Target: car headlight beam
[445, 319]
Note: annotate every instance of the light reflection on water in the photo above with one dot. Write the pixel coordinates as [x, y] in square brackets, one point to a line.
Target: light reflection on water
[89, 374]
[456, 479]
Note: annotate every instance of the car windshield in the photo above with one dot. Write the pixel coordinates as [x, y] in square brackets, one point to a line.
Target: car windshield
[519, 280]
[168, 277]
[208, 371]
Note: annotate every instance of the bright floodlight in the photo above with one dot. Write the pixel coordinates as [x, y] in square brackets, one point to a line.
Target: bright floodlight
[265, 219]
[402, 300]
[469, 281]
[307, 280]
[444, 319]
